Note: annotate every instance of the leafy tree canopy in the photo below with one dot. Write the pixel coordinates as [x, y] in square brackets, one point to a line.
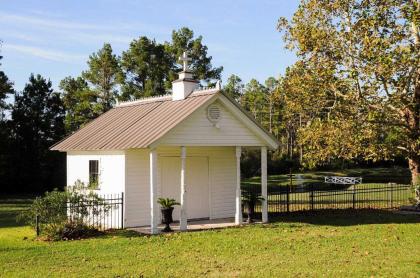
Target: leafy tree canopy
[364, 57]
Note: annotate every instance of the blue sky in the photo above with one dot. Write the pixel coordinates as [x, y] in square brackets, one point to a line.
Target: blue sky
[55, 38]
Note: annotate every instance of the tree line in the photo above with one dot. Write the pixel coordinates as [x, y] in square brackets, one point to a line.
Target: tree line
[33, 119]
[351, 98]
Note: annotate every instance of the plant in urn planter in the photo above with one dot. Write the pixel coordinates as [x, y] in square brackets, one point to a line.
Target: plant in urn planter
[167, 207]
[250, 200]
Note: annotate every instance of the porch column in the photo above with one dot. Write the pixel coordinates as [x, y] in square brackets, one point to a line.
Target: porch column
[264, 205]
[238, 204]
[183, 218]
[154, 208]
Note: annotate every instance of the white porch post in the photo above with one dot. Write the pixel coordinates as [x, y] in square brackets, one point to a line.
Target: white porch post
[238, 204]
[183, 217]
[264, 184]
[154, 209]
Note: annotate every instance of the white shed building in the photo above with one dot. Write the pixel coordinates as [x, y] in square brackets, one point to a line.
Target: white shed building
[186, 146]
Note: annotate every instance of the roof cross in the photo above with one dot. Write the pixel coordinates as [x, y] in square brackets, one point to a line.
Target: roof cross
[185, 59]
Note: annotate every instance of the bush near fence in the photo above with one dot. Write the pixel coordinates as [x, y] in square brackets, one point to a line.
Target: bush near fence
[73, 214]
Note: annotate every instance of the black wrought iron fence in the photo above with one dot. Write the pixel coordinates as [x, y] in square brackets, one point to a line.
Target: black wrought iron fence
[374, 196]
[103, 212]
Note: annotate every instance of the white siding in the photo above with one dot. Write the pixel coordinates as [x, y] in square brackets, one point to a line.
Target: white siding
[137, 197]
[197, 130]
[223, 181]
[222, 177]
[111, 169]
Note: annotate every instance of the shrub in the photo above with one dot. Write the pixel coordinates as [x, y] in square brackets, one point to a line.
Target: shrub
[51, 209]
[65, 214]
[68, 230]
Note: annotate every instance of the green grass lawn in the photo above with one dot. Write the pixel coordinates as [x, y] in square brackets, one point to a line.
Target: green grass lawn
[373, 175]
[332, 244]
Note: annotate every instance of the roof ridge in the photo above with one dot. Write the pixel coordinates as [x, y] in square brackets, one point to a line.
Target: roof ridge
[144, 100]
[166, 97]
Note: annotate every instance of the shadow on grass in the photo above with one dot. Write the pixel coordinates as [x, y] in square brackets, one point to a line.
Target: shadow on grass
[122, 233]
[11, 207]
[347, 217]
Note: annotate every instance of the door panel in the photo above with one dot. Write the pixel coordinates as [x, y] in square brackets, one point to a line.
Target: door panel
[197, 184]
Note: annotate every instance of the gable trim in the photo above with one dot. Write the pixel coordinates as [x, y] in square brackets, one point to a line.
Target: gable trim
[240, 114]
[155, 143]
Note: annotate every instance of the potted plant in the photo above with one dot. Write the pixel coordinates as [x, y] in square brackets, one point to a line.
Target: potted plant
[167, 207]
[250, 200]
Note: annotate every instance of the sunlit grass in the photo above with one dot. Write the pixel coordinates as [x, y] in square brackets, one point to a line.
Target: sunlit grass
[332, 244]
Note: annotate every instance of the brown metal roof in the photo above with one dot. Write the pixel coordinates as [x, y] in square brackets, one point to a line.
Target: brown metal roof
[134, 124]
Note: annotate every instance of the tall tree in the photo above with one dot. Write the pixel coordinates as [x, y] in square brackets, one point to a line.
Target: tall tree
[254, 98]
[37, 117]
[271, 84]
[150, 67]
[146, 66]
[80, 102]
[234, 87]
[6, 89]
[183, 40]
[370, 54]
[104, 74]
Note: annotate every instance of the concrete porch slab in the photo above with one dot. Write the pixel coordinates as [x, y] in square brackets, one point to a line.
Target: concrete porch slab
[193, 225]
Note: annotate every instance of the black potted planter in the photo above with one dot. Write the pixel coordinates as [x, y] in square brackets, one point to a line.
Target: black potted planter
[250, 200]
[250, 211]
[167, 218]
[167, 207]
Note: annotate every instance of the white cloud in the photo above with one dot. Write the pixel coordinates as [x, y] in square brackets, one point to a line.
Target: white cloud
[36, 29]
[19, 35]
[47, 54]
[49, 23]
[60, 24]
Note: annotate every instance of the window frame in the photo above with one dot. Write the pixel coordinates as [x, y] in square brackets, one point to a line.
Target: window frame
[93, 173]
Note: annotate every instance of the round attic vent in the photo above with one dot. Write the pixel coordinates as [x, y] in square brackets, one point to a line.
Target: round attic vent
[214, 113]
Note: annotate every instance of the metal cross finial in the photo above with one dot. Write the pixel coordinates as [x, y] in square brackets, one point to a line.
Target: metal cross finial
[185, 59]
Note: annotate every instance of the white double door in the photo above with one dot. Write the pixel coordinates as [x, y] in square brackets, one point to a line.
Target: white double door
[197, 184]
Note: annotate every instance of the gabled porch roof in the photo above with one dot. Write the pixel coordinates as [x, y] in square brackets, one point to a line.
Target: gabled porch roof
[142, 123]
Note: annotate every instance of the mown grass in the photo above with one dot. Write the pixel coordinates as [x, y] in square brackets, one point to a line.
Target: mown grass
[332, 244]
[373, 175]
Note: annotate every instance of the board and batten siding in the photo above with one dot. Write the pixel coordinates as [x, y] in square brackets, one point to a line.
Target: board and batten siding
[222, 180]
[111, 169]
[197, 130]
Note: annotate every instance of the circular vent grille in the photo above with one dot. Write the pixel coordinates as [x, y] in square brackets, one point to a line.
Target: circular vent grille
[213, 113]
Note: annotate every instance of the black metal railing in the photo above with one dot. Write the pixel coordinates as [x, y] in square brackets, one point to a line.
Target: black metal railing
[308, 198]
[103, 212]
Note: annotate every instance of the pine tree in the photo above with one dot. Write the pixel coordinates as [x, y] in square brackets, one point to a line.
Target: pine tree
[146, 66]
[183, 40]
[37, 123]
[6, 89]
[80, 102]
[234, 87]
[104, 74]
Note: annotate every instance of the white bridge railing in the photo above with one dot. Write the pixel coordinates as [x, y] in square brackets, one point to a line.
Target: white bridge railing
[343, 180]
